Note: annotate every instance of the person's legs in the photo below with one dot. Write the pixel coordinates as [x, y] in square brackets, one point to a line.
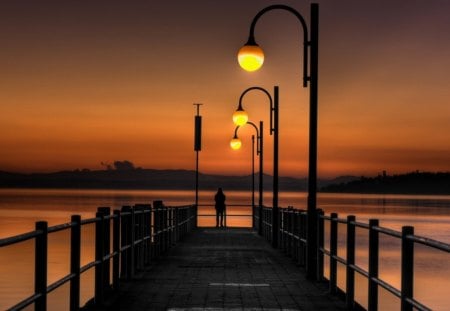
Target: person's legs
[217, 217]
[221, 218]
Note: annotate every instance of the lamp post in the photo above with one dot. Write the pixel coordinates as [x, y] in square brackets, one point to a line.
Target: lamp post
[197, 146]
[240, 117]
[251, 58]
[236, 144]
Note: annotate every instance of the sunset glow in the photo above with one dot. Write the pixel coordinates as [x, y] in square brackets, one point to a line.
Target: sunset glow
[83, 84]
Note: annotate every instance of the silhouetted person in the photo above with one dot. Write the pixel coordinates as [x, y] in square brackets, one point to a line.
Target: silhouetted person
[220, 206]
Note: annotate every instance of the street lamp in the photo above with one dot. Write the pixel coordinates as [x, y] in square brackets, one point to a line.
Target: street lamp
[235, 142]
[235, 145]
[239, 115]
[251, 55]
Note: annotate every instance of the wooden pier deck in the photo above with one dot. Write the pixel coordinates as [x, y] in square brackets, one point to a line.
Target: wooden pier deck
[222, 269]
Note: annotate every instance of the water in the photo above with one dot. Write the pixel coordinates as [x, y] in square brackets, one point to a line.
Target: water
[20, 209]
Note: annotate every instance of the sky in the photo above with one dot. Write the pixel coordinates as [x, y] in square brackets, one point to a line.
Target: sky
[90, 82]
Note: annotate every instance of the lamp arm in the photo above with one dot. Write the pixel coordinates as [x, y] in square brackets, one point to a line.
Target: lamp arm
[306, 43]
[258, 137]
[235, 131]
[270, 100]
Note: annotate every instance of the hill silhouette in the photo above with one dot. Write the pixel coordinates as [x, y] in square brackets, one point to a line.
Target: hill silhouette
[129, 177]
[410, 183]
[138, 178]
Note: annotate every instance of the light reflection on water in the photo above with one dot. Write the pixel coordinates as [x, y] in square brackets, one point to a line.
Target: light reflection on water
[430, 215]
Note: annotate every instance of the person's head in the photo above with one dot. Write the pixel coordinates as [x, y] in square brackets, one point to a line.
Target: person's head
[219, 190]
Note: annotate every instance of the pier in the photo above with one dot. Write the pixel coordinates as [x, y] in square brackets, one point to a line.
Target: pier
[219, 268]
[156, 257]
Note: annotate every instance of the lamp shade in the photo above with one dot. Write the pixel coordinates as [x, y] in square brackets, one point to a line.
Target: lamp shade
[235, 143]
[251, 57]
[240, 117]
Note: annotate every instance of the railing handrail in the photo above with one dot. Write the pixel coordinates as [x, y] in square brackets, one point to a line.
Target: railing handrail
[406, 237]
[159, 226]
[164, 226]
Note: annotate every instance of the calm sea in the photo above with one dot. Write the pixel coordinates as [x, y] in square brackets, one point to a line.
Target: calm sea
[21, 208]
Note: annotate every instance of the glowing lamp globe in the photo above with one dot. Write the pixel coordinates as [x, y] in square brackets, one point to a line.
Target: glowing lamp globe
[251, 57]
[240, 117]
[235, 143]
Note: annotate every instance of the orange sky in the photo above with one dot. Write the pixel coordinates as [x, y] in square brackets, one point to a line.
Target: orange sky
[98, 81]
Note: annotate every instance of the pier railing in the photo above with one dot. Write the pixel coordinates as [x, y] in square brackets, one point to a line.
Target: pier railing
[125, 241]
[292, 240]
[241, 215]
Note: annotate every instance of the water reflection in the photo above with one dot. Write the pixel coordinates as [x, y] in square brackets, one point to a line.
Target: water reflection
[430, 215]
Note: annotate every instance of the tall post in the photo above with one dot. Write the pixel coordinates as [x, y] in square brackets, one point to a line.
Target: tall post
[275, 169]
[197, 147]
[312, 172]
[253, 180]
[261, 174]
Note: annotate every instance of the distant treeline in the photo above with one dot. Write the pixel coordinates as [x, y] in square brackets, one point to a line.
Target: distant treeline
[410, 183]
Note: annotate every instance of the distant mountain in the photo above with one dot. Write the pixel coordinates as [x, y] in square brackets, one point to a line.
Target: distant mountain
[137, 178]
[410, 183]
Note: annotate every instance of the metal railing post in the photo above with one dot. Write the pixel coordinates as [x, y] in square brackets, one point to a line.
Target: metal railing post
[75, 254]
[333, 252]
[373, 265]
[132, 235]
[40, 267]
[116, 250]
[125, 241]
[320, 244]
[99, 267]
[407, 268]
[350, 273]
[106, 244]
